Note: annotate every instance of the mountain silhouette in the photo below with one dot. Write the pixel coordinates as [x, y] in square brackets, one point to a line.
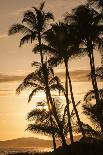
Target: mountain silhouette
[29, 144]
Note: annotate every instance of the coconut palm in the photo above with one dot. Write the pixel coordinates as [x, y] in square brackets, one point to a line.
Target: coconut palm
[95, 113]
[86, 22]
[61, 46]
[32, 26]
[43, 79]
[41, 123]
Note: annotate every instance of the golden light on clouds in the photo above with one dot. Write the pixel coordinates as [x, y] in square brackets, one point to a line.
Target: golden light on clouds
[15, 63]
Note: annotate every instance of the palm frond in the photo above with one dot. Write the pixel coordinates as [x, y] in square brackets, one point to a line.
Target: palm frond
[38, 114]
[89, 131]
[89, 95]
[42, 5]
[45, 48]
[55, 79]
[46, 130]
[36, 64]
[95, 113]
[41, 104]
[58, 87]
[20, 88]
[30, 19]
[99, 72]
[27, 38]
[49, 16]
[98, 3]
[17, 28]
[39, 88]
[55, 61]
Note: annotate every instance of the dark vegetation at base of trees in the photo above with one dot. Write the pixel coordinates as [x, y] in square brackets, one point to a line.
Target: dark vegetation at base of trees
[80, 33]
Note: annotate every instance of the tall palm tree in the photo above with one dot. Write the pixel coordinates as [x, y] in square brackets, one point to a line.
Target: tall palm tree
[43, 79]
[32, 26]
[86, 22]
[61, 46]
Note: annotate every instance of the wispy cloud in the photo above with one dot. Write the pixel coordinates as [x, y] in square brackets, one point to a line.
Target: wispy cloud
[76, 75]
[3, 36]
[10, 78]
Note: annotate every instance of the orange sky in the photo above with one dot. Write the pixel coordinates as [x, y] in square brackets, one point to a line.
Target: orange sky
[17, 61]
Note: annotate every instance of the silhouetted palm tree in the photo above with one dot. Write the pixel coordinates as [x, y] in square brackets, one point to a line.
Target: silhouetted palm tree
[62, 45]
[41, 120]
[44, 123]
[86, 23]
[32, 26]
[90, 131]
[43, 79]
[95, 113]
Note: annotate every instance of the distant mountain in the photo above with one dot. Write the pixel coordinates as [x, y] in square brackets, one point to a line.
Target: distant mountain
[28, 143]
[25, 142]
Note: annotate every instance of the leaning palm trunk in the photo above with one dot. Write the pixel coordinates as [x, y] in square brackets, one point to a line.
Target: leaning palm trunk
[64, 144]
[53, 136]
[67, 101]
[74, 105]
[53, 133]
[93, 76]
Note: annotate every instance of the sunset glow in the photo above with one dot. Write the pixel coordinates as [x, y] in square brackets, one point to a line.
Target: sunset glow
[15, 64]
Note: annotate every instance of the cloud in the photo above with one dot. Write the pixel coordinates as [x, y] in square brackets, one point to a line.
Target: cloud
[3, 36]
[10, 78]
[76, 75]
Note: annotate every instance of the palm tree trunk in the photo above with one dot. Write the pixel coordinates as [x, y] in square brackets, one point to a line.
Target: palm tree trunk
[53, 136]
[74, 105]
[67, 101]
[64, 144]
[41, 53]
[53, 133]
[92, 65]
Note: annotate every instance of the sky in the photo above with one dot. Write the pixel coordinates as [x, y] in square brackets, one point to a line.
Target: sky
[15, 63]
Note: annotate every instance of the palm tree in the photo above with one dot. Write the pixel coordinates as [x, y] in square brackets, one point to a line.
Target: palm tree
[61, 46]
[32, 26]
[95, 113]
[86, 23]
[41, 120]
[43, 79]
